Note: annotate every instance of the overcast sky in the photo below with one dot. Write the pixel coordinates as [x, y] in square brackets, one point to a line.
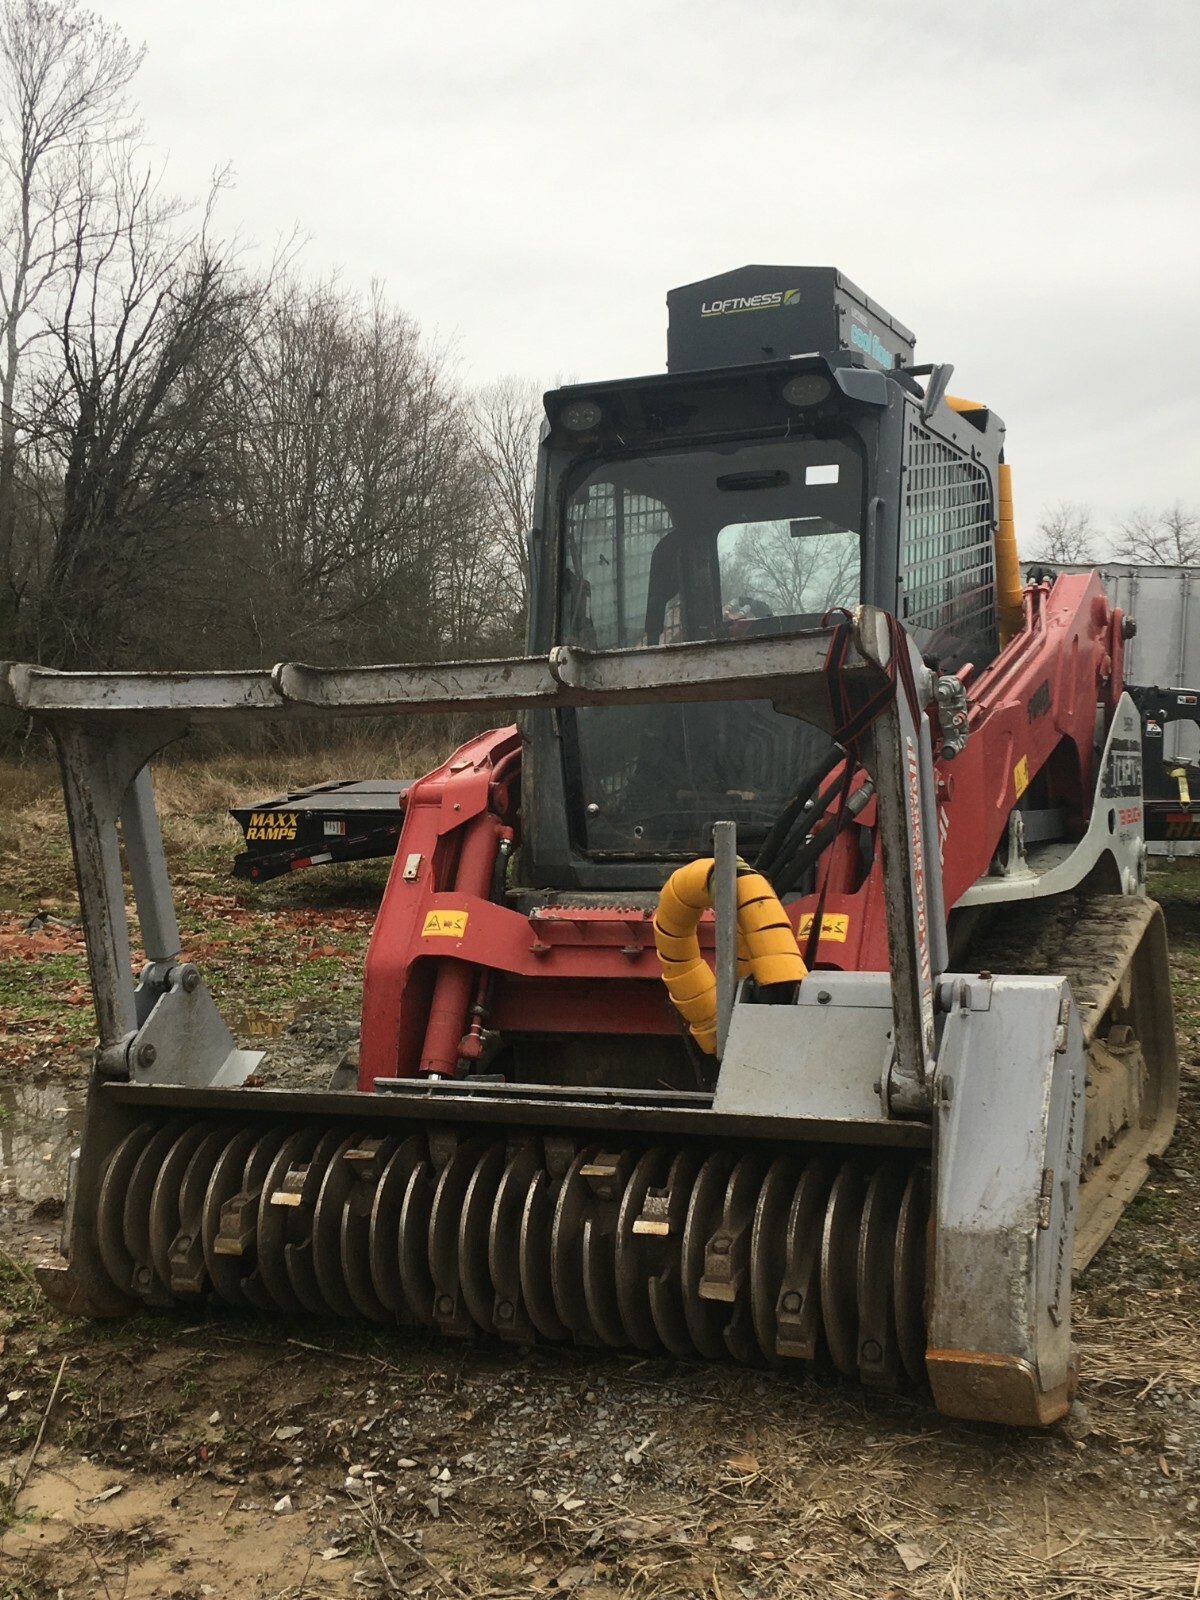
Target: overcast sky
[1017, 182]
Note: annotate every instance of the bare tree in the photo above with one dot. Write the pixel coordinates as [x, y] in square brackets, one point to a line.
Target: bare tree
[1168, 538]
[1066, 535]
[64, 78]
[152, 316]
[351, 482]
[506, 417]
[197, 465]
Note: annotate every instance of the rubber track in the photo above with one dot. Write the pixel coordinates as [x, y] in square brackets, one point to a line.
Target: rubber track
[1086, 938]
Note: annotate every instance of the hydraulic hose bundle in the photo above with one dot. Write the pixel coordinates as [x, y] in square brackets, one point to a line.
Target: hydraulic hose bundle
[767, 946]
[795, 841]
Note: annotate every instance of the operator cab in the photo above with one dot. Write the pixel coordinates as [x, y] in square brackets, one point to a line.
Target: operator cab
[726, 501]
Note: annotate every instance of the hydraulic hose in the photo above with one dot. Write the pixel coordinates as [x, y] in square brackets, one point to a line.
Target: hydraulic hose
[787, 874]
[777, 869]
[773, 844]
[766, 944]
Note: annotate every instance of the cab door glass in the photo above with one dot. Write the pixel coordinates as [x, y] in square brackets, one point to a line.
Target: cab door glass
[611, 537]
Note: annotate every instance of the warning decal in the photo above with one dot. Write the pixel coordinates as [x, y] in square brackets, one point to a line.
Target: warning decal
[444, 924]
[834, 926]
[1021, 776]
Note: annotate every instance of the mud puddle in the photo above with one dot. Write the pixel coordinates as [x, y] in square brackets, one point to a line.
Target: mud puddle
[40, 1125]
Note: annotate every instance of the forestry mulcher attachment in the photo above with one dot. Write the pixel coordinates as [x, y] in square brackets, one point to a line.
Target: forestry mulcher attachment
[781, 987]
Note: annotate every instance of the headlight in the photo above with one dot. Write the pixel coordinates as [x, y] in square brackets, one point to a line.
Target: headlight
[806, 389]
[581, 416]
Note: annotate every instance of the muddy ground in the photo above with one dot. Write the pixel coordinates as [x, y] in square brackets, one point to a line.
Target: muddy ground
[227, 1456]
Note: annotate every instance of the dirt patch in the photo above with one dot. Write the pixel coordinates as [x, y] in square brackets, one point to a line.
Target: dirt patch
[82, 1528]
[408, 1468]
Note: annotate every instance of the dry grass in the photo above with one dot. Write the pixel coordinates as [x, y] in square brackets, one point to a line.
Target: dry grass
[27, 783]
[187, 785]
[1158, 1343]
[194, 791]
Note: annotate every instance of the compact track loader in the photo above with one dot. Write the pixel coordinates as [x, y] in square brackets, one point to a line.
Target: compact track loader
[782, 986]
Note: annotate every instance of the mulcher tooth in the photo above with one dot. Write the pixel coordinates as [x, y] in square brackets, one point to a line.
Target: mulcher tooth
[365, 1156]
[665, 1217]
[283, 1220]
[655, 1219]
[559, 1153]
[176, 1199]
[352, 1184]
[239, 1215]
[572, 1214]
[635, 1251]
[605, 1177]
[188, 1272]
[299, 1193]
[291, 1191]
[450, 1308]
[727, 1254]
[878, 1349]
[140, 1215]
[510, 1316]
[607, 1174]
[798, 1307]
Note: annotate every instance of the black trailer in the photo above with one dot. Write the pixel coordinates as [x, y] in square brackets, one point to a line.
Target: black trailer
[344, 820]
[1170, 786]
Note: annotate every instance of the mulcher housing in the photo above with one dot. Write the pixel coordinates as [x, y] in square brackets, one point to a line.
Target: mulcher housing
[772, 622]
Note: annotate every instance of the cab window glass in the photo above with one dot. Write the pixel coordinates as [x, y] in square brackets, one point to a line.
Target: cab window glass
[787, 567]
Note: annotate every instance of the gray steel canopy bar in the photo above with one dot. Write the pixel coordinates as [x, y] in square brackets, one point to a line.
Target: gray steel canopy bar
[197, 695]
[786, 669]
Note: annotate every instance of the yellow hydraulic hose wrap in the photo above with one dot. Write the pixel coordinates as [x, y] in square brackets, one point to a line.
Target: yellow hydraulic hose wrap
[1008, 567]
[766, 944]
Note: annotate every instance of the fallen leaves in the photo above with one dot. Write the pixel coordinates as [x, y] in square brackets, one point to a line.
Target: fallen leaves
[911, 1555]
[635, 1530]
[573, 1577]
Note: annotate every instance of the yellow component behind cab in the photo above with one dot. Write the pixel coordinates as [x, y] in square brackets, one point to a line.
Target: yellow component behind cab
[1008, 566]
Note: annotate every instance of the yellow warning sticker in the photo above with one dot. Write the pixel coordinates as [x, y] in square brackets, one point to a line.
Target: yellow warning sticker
[1021, 776]
[444, 924]
[834, 925]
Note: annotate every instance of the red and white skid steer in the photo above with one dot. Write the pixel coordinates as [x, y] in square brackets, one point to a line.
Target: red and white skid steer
[780, 987]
